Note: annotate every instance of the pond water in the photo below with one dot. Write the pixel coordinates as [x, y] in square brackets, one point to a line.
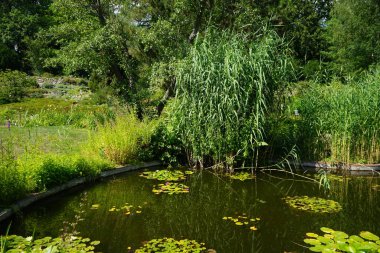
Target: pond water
[199, 214]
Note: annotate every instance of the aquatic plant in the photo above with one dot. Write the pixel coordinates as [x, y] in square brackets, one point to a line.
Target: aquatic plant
[170, 188]
[313, 204]
[224, 89]
[338, 241]
[339, 122]
[243, 220]
[15, 243]
[164, 175]
[127, 209]
[242, 176]
[169, 245]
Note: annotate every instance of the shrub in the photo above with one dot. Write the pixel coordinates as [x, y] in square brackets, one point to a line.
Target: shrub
[13, 86]
[46, 171]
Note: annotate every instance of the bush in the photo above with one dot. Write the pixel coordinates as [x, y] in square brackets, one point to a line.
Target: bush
[46, 171]
[14, 85]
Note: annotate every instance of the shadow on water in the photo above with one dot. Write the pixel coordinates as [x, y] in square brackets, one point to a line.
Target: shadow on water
[198, 214]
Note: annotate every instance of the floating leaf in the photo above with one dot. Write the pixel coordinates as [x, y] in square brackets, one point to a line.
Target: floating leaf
[313, 204]
[312, 235]
[164, 175]
[338, 241]
[242, 176]
[172, 245]
[369, 236]
[312, 241]
[327, 230]
[243, 220]
[95, 206]
[170, 188]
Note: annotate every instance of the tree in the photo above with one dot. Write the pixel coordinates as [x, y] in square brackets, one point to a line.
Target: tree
[19, 21]
[354, 34]
[91, 38]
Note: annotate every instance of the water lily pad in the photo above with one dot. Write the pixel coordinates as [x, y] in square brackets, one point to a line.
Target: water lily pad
[127, 209]
[243, 220]
[313, 235]
[242, 176]
[338, 241]
[95, 206]
[369, 236]
[168, 245]
[313, 204]
[170, 188]
[48, 244]
[164, 175]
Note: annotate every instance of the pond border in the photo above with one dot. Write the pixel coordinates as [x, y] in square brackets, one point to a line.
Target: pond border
[349, 167]
[34, 197]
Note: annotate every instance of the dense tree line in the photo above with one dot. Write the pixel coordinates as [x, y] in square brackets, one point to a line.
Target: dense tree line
[132, 45]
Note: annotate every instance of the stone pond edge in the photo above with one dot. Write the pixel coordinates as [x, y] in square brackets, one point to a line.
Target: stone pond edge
[7, 213]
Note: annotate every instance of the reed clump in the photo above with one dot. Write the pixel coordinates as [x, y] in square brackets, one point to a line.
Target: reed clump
[340, 122]
[223, 91]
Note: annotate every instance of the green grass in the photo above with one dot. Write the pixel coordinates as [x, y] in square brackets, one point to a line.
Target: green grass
[55, 139]
[38, 158]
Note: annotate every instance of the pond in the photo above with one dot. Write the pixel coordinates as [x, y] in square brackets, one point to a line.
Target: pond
[202, 213]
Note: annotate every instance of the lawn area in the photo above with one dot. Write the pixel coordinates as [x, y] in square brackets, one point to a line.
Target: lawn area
[54, 139]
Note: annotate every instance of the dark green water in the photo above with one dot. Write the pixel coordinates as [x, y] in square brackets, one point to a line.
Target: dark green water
[198, 214]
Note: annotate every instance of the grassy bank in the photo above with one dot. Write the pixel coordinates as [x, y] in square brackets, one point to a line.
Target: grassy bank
[35, 159]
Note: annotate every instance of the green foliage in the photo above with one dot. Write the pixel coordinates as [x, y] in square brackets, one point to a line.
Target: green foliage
[14, 85]
[122, 140]
[46, 171]
[19, 21]
[165, 144]
[224, 89]
[166, 245]
[313, 204]
[340, 122]
[14, 243]
[338, 241]
[353, 34]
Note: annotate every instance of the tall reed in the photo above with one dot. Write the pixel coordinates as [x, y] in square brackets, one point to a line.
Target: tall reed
[223, 91]
[341, 121]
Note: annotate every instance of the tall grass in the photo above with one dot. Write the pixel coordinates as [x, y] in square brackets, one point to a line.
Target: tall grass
[12, 180]
[122, 140]
[223, 92]
[341, 122]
